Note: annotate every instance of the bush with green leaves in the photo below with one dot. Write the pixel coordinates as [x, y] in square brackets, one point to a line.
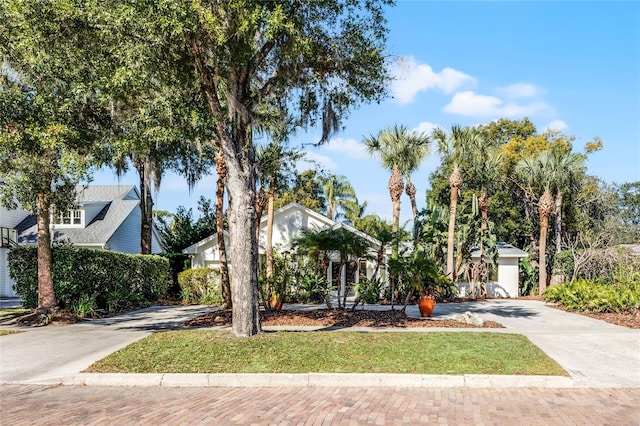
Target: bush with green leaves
[81, 275]
[370, 290]
[564, 263]
[583, 295]
[201, 285]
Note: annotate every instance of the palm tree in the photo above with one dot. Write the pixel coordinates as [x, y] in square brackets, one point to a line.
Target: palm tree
[276, 166]
[537, 172]
[339, 195]
[401, 152]
[457, 146]
[566, 168]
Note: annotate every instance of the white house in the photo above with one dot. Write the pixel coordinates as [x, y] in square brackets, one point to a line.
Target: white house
[106, 217]
[289, 222]
[507, 283]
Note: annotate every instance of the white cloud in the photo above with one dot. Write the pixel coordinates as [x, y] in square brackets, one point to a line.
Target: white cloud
[520, 90]
[471, 104]
[557, 125]
[313, 159]
[425, 127]
[350, 147]
[410, 78]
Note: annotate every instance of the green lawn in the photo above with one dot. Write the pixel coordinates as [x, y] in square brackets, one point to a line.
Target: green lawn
[204, 351]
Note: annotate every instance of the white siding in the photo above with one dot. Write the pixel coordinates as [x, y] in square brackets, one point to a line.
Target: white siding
[507, 285]
[288, 226]
[207, 254]
[6, 284]
[127, 238]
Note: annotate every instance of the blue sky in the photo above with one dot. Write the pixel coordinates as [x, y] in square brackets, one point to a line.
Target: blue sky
[572, 66]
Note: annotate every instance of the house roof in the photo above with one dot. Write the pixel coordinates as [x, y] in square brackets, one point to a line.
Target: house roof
[504, 250]
[330, 224]
[192, 249]
[298, 206]
[118, 205]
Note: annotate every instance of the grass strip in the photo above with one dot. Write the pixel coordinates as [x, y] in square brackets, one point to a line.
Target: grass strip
[10, 313]
[206, 351]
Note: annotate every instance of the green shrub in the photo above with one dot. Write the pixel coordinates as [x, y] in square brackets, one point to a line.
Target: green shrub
[528, 278]
[583, 295]
[178, 262]
[85, 306]
[102, 274]
[201, 285]
[370, 290]
[563, 263]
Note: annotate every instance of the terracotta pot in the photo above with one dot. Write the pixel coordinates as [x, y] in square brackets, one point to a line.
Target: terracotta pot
[426, 305]
[275, 303]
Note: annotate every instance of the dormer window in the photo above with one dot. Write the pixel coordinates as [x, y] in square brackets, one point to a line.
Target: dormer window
[73, 217]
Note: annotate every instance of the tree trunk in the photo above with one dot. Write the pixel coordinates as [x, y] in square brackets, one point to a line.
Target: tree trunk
[146, 206]
[558, 223]
[225, 282]
[453, 205]
[269, 236]
[244, 253]
[483, 202]
[46, 295]
[542, 274]
[234, 137]
[395, 248]
[395, 227]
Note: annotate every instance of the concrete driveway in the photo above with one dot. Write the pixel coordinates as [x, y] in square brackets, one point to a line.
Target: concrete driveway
[48, 354]
[594, 352]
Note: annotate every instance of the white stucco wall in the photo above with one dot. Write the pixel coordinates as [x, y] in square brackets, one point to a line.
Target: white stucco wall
[507, 285]
[288, 226]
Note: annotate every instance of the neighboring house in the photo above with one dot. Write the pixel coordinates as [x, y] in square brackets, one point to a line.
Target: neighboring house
[106, 217]
[9, 221]
[507, 283]
[289, 222]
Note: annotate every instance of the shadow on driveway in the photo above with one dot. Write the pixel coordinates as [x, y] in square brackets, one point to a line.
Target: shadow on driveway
[481, 308]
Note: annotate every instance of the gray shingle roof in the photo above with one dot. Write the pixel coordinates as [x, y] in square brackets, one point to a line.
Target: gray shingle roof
[101, 228]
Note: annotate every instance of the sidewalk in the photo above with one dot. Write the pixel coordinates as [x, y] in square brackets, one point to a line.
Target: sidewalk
[596, 354]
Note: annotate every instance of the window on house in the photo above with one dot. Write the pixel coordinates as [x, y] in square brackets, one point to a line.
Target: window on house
[70, 217]
[8, 237]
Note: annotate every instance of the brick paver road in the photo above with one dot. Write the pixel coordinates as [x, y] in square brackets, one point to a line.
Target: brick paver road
[25, 404]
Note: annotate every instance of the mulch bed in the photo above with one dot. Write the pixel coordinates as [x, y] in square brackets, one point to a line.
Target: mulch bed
[334, 318]
[625, 319]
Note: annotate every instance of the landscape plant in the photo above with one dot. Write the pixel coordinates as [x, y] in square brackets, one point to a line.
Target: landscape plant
[84, 274]
[201, 285]
[582, 295]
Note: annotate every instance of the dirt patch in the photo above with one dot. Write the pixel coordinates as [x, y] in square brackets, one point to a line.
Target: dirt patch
[335, 318]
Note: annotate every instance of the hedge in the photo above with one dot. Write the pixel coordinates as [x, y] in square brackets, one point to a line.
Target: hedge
[114, 280]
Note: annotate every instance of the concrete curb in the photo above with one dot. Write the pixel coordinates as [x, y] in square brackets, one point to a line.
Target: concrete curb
[321, 380]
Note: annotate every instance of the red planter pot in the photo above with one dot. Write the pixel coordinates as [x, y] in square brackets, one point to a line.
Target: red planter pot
[426, 305]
